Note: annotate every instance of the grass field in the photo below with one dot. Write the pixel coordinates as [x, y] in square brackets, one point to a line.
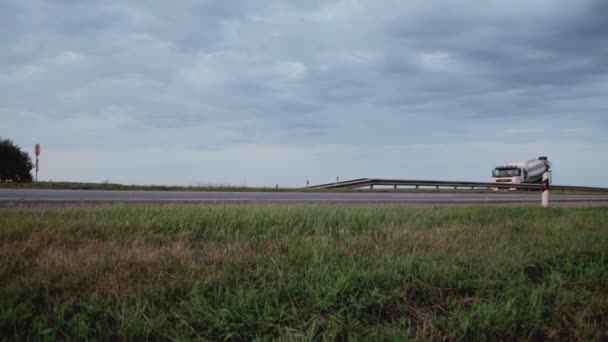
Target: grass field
[304, 273]
[116, 187]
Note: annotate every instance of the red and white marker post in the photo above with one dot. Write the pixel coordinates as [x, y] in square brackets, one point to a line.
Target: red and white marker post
[545, 189]
[37, 153]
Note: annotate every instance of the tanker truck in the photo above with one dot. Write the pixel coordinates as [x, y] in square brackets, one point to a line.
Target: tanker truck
[530, 171]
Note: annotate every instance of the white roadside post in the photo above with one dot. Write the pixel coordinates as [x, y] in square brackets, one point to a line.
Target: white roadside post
[545, 189]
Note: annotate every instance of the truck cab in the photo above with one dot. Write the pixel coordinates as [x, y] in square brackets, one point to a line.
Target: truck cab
[509, 174]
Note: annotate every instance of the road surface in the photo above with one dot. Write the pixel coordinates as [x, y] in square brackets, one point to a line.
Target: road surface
[25, 196]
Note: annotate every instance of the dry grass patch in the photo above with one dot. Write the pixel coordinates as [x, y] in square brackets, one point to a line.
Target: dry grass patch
[72, 268]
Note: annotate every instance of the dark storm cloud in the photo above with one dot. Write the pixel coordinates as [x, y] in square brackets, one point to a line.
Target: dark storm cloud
[520, 49]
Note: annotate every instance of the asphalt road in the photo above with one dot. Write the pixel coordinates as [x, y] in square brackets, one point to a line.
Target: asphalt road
[24, 196]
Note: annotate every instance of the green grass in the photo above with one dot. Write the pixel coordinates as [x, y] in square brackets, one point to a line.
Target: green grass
[304, 273]
[116, 186]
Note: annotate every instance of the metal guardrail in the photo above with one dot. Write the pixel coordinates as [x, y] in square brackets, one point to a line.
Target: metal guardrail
[417, 184]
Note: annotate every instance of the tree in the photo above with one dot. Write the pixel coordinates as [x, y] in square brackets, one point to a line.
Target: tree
[15, 165]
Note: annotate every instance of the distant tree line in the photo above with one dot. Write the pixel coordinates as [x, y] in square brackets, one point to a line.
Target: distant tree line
[15, 165]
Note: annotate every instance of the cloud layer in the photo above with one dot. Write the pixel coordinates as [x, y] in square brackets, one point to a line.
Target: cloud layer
[265, 92]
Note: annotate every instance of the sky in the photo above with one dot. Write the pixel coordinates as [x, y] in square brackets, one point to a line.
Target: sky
[259, 93]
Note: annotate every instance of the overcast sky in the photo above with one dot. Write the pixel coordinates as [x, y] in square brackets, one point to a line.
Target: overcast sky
[259, 92]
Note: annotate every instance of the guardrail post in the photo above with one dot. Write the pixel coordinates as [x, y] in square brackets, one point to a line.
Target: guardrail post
[545, 189]
[371, 186]
[417, 187]
[395, 187]
[437, 187]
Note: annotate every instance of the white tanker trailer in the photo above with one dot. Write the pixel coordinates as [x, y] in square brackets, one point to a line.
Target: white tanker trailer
[530, 171]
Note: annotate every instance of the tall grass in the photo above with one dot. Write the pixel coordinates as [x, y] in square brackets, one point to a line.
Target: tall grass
[304, 272]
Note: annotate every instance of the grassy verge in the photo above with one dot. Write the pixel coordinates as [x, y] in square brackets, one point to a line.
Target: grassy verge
[307, 273]
[115, 186]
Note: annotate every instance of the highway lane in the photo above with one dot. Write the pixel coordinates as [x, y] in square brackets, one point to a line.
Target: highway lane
[100, 196]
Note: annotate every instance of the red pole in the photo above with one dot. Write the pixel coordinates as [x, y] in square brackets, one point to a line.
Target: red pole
[37, 153]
